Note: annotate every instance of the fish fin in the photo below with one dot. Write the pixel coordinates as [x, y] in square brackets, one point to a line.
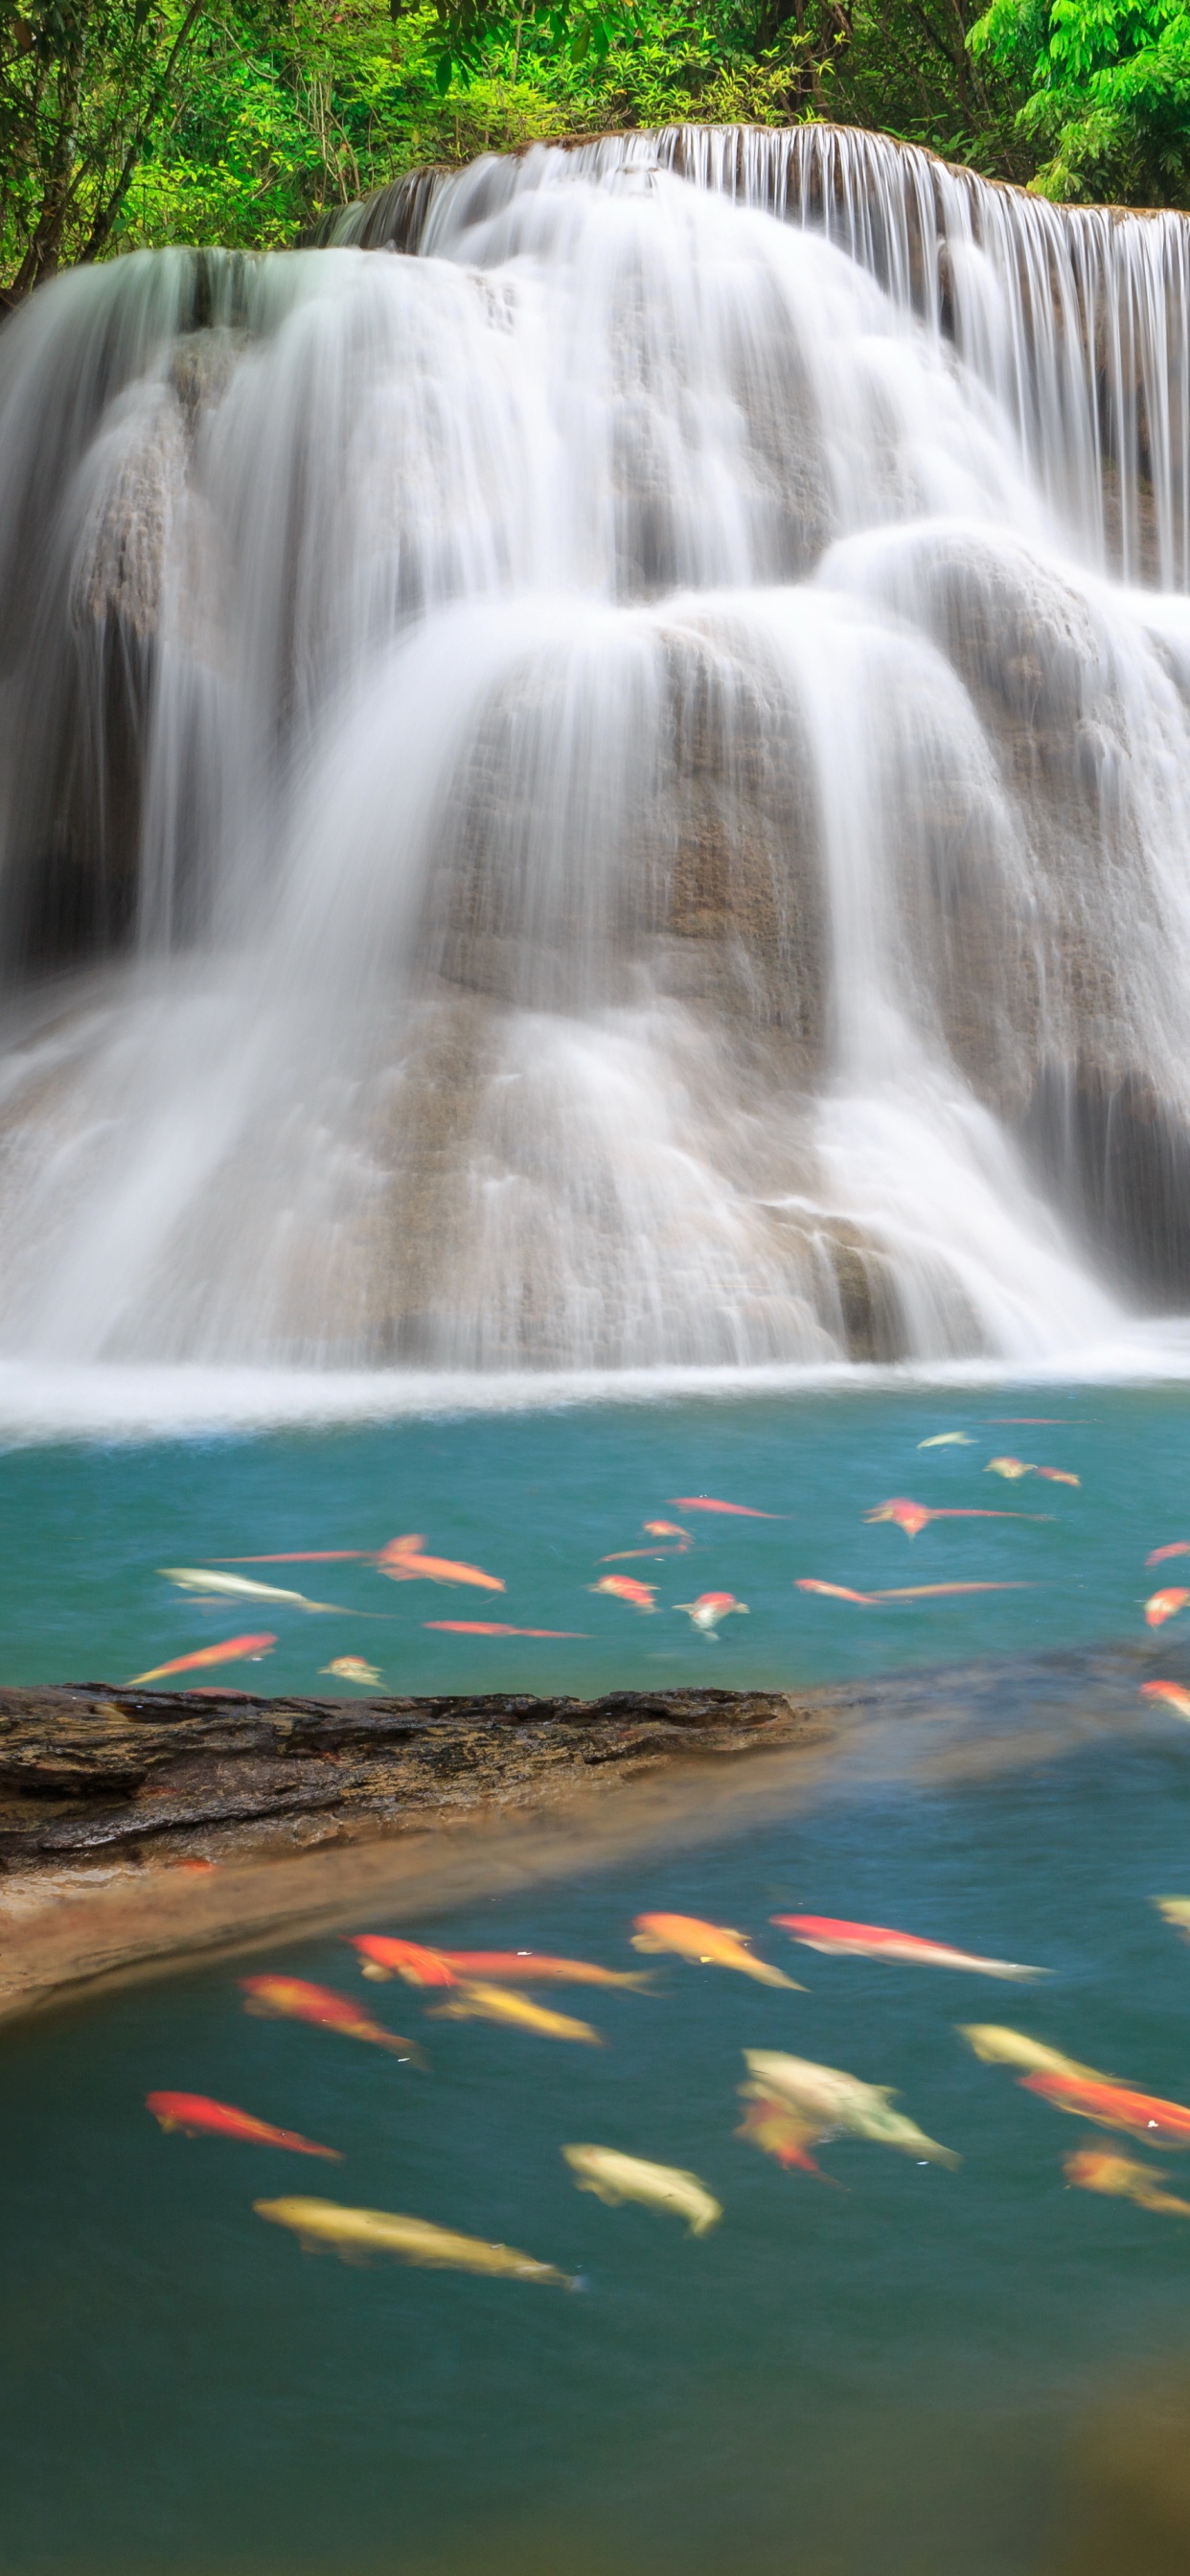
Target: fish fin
[379, 1976]
[645, 1941]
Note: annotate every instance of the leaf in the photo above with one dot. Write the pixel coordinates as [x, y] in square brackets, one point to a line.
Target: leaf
[443, 69]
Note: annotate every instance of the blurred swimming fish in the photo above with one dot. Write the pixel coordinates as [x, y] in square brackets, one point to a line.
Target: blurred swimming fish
[474, 1999]
[710, 1607]
[402, 1560]
[615, 2178]
[833, 1591]
[1010, 1468]
[779, 2131]
[1177, 1547]
[352, 1668]
[668, 1529]
[707, 1503]
[1175, 1910]
[433, 1967]
[914, 1517]
[1161, 1606]
[1172, 1693]
[382, 1956]
[842, 2102]
[1058, 1476]
[292, 1999]
[494, 1628]
[196, 2116]
[1113, 2106]
[872, 1941]
[948, 1440]
[653, 1529]
[998, 2046]
[1099, 2169]
[237, 1587]
[903, 1591]
[358, 2232]
[712, 1945]
[624, 1587]
[232, 1650]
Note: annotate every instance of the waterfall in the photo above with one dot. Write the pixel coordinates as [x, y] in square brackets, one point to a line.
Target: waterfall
[607, 790]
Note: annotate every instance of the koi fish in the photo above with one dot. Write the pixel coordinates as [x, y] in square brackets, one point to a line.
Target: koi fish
[624, 1587]
[904, 1591]
[707, 1503]
[1175, 1910]
[475, 2000]
[871, 1941]
[1161, 1606]
[914, 1517]
[195, 1578]
[425, 1967]
[1113, 2106]
[232, 1650]
[494, 1628]
[356, 2232]
[710, 1607]
[652, 1529]
[711, 1944]
[198, 2117]
[779, 2131]
[834, 1591]
[1171, 1692]
[841, 2102]
[403, 1562]
[291, 1999]
[615, 2178]
[1098, 2169]
[1058, 1476]
[948, 1440]
[1010, 1468]
[667, 1529]
[352, 1668]
[1177, 1547]
[998, 2046]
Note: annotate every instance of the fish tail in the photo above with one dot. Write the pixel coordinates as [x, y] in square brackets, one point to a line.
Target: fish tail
[643, 1981]
[261, 2009]
[775, 1977]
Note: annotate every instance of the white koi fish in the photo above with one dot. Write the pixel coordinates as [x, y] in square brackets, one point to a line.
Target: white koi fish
[237, 1587]
[615, 2178]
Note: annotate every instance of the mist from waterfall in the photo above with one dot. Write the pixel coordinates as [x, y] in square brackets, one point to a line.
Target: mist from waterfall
[603, 792]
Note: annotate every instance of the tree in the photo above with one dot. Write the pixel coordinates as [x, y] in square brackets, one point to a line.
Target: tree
[1108, 93]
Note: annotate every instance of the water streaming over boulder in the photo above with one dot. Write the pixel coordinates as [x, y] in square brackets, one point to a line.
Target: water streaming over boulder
[606, 792]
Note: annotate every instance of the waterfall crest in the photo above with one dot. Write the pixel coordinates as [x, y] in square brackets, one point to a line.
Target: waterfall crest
[610, 790]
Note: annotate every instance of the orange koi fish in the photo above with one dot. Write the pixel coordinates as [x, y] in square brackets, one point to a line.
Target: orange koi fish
[403, 1562]
[652, 1529]
[904, 1591]
[494, 1628]
[232, 1651]
[834, 1591]
[383, 1957]
[779, 2131]
[872, 1941]
[1171, 1692]
[668, 1529]
[710, 1607]
[196, 2116]
[291, 1999]
[913, 1517]
[1177, 1547]
[425, 1967]
[1058, 1476]
[1099, 2169]
[624, 1587]
[1113, 2106]
[1161, 1606]
[707, 1503]
[712, 1945]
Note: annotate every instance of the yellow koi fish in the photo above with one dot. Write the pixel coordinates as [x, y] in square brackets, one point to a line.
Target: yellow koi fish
[998, 2046]
[357, 2232]
[842, 2102]
[352, 1668]
[1175, 1910]
[1101, 2169]
[473, 2000]
[615, 2178]
[712, 1945]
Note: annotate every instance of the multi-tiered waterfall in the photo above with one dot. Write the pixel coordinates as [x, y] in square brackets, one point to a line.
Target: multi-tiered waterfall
[610, 788]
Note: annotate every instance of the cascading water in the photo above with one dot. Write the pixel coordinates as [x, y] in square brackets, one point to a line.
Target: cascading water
[594, 795]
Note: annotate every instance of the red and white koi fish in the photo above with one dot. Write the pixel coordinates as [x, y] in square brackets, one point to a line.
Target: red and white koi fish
[1171, 1692]
[495, 1628]
[712, 1945]
[1177, 1547]
[1161, 1606]
[292, 1999]
[1113, 2106]
[1100, 2169]
[624, 1587]
[914, 1517]
[420, 1966]
[710, 1607]
[708, 1503]
[1013, 1467]
[196, 2116]
[402, 1560]
[872, 1941]
[233, 1650]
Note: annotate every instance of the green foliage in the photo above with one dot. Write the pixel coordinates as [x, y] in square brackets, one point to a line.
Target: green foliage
[1108, 93]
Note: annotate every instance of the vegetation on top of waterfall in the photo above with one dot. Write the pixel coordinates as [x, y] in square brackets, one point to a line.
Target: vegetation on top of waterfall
[244, 121]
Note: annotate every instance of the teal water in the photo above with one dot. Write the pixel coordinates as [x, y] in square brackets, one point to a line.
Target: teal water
[539, 1499]
[902, 2371]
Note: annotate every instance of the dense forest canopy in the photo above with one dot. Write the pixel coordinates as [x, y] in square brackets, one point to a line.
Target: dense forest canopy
[133, 122]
